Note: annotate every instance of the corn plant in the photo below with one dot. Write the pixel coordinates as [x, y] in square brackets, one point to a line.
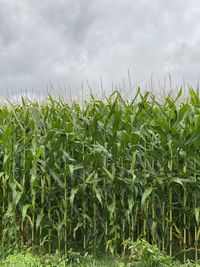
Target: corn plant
[90, 177]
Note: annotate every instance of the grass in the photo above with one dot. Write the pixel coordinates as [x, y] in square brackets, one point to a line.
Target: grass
[138, 254]
[29, 259]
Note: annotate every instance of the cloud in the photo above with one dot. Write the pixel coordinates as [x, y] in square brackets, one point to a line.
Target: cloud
[68, 42]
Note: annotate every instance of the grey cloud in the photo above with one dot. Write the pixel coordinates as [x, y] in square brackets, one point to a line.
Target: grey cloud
[68, 41]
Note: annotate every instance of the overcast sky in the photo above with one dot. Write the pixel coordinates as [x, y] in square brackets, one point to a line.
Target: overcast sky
[68, 42]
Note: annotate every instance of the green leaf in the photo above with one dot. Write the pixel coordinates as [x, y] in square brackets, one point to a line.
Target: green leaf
[177, 180]
[5, 158]
[130, 204]
[76, 228]
[71, 169]
[98, 195]
[39, 152]
[145, 195]
[9, 212]
[197, 215]
[34, 181]
[16, 196]
[39, 219]
[111, 208]
[193, 137]
[56, 178]
[73, 193]
[24, 211]
[20, 187]
[6, 135]
[88, 179]
[109, 174]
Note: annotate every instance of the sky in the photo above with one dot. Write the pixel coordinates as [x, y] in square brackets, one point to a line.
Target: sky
[77, 44]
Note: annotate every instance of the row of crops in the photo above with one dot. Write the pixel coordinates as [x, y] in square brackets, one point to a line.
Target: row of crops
[92, 177]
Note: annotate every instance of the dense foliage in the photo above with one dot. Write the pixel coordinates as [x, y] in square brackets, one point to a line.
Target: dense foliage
[91, 177]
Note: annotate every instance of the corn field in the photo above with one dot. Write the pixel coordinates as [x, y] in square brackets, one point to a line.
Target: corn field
[90, 177]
